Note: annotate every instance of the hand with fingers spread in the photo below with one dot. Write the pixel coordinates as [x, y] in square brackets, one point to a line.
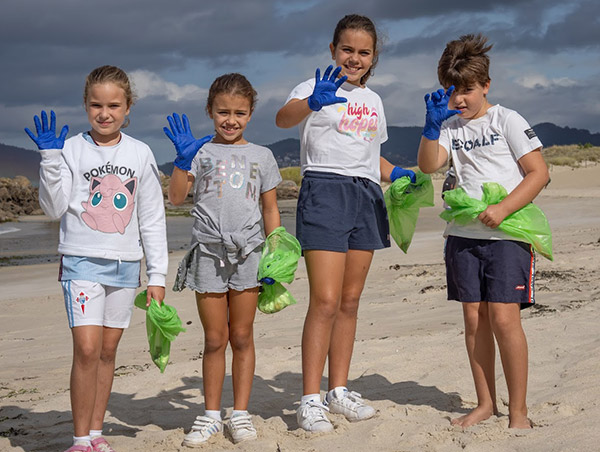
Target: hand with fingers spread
[325, 89]
[186, 145]
[46, 135]
[437, 112]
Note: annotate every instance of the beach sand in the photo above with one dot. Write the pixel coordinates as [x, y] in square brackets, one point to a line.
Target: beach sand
[409, 359]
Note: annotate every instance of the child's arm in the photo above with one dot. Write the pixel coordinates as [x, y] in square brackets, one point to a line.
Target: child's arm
[389, 172]
[55, 176]
[431, 156]
[179, 186]
[536, 177]
[270, 210]
[153, 229]
[186, 147]
[292, 113]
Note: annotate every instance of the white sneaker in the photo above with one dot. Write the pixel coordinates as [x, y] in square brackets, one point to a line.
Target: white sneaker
[350, 404]
[204, 427]
[240, 428]
[311, 417]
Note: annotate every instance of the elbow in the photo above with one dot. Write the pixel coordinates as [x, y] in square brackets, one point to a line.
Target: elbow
[175, 199]
[281, 122]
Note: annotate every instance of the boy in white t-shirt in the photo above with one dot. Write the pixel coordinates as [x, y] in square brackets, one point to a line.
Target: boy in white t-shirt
[491, 273]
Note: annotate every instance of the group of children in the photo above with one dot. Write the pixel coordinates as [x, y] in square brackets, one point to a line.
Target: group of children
[105, 188]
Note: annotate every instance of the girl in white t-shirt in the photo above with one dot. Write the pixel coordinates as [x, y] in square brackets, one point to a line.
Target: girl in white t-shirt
[341, 216]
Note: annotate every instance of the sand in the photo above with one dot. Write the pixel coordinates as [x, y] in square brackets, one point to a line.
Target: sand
[409, 358]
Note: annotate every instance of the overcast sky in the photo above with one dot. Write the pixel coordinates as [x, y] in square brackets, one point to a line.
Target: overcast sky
[545, 59]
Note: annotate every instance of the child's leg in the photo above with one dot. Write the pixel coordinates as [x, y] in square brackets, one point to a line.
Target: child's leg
[479, 341]
[325, 275]
[87, 345]
[506, 323]
[106, 371]
[344, 327]
[212, 308]
[242, 309]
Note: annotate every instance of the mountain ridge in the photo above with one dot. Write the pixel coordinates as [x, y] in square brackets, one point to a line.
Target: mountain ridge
[400, 149]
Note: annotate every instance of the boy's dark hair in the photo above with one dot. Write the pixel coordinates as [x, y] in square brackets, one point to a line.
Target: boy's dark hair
[234, 84]
[465, 62]
[356, 22]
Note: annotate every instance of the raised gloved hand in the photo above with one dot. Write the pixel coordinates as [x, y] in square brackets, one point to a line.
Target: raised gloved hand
[46, 136]
[437, 112]
[186, 145]
[325, 89]
[398, 172]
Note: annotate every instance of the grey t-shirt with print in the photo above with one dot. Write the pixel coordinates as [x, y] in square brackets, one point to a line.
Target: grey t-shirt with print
[229, 180]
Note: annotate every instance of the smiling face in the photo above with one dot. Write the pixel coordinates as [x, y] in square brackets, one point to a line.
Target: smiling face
[230, 114]
[106, 106]
[354, 52]
[471, 101]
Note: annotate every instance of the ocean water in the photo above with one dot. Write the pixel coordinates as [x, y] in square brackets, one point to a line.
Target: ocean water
[34, 240]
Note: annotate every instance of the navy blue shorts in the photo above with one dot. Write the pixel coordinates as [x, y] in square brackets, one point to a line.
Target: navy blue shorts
[490, 270]
[338, 213]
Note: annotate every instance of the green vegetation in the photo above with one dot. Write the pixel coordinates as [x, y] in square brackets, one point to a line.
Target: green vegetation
[291, 173]
[573, 155]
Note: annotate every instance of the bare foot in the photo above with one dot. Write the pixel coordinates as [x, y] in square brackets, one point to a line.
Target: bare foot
[474, 417]
[522, 422]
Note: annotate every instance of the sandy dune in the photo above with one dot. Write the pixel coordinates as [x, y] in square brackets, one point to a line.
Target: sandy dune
[409, 357]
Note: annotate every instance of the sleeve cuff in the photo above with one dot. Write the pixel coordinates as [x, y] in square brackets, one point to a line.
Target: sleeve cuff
[156, 279]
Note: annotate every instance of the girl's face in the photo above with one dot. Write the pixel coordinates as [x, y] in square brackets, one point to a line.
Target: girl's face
[230, 114]
[472, 101]
[106, 107]
[354, 53]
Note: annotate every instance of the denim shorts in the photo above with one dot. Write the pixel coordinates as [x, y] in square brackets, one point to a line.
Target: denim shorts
[338, 213]
[490, 270]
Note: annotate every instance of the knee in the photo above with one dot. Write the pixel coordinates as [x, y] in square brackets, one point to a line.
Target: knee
[86, 354]
[349, 304]
[504, 325]
[326, 305]
[241, 338]
[215, 341]
[108, 354]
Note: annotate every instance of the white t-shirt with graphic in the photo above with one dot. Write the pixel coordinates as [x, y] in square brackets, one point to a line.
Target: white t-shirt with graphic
[343, 138]
[487, 149]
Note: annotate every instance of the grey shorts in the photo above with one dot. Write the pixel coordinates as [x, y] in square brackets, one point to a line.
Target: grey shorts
[208, 274]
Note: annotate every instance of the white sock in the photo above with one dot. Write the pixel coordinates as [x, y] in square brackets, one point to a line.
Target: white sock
[213, 414]
[239, 412]
[95, 433]
[310, 398]
[82, 440]
[331, 393]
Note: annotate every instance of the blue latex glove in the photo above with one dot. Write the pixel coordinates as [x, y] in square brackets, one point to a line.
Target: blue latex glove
[325, 89]
[398, 172]
[186, 145]
[46, 136]
[437, 112]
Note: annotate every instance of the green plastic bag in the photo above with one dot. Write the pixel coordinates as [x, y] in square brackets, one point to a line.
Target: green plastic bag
[528, 223]
[278, 264]
[162, 326]
[403, 200]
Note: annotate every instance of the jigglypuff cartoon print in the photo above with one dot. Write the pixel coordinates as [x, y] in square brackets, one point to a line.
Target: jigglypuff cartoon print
[110, 205]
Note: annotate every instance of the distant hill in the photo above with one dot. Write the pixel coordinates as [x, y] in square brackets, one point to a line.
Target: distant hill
[400, 149]
[553, 135]
[16, 161]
